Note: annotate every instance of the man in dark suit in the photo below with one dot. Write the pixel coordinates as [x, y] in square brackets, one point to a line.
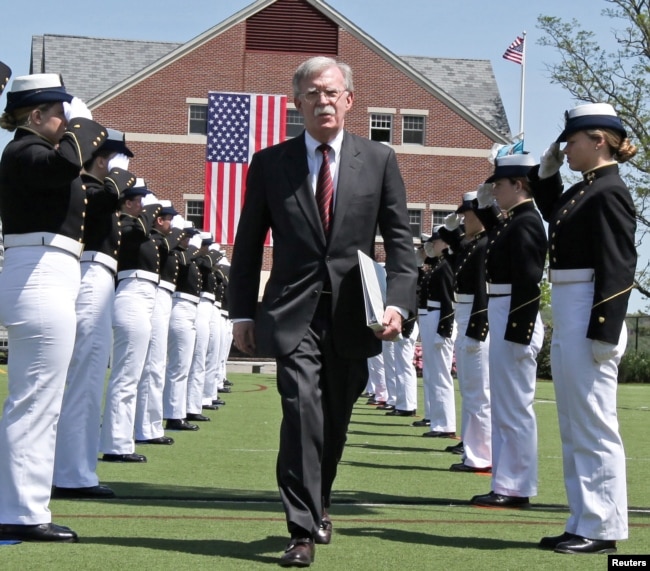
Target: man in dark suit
[312, 316]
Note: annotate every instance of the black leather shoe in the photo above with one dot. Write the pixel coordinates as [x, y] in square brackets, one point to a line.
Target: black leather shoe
[385, 407]
[92, 492]
[219, 402]
[227, 383]
[124, 458]
[462, 467]
[364, 395]
[551, 542]
[179, 424]
[578, 545]
[324, 534]
[197, 417]
[225, 389]
[160, 440]
[439, 434]
[493, 500]
[456, 449]
[299, 553]
[399, 412]
[423, 422]
[210, 407]
[42, 532]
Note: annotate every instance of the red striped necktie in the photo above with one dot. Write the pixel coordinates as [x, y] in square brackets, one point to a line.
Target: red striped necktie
[325, 189]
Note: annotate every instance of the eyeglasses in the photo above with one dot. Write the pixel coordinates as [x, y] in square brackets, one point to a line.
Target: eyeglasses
[313, 95]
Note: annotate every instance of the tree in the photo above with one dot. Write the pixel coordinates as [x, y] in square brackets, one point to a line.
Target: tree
[621, 76]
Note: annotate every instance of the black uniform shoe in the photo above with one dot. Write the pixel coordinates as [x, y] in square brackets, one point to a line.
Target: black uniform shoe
[210, 407]
[218, 402]
[124, 458]
[160, 440]
[423, 422]
[179, 424]
[299, 553]
[456, 449]
[227, 383]
[462, 467]
[41, 532]
[577, 545]
[93, 492]
[399, 412]
[386, 407]
[439, 434]
[551, 542]
[197, 417]
[493, 500]
[224, 389]
[324, 534]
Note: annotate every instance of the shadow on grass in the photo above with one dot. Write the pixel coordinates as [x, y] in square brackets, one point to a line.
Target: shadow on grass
[415, 537]
[231, 549]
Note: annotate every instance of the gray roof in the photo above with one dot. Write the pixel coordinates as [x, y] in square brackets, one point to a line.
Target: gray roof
[471, 82]
[90, 66]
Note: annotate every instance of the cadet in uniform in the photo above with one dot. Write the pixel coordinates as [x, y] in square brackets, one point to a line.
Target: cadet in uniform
[514, 264]
[436, 321]
[77, 442]
[472, 338]
[42, 219]
[138, 274]
[592, 265]
[149, 406]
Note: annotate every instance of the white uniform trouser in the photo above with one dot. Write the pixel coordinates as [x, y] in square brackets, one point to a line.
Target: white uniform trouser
[407, 379]
[224, 350]
[212, 356]
[390, 375]
[196, 377]
[38, 288]
[437, 355]
[512, 387]
[180, 347]
[132, 312]
[585, 391]
[77, 439]
[376, 378]
[149, 405]
[472, 367]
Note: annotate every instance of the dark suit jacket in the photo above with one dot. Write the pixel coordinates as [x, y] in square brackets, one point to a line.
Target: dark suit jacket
[370, 193]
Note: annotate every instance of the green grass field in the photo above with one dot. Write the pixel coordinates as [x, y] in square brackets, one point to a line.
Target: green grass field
[210, 500]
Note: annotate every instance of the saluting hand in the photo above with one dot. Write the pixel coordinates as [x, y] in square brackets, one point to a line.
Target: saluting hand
[484, 195]
[551, 161]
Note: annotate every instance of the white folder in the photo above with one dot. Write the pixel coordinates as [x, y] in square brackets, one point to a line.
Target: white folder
[373, 281]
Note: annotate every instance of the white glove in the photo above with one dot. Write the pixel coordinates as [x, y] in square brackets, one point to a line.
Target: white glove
[76, 108]
[452, 221]
[150, 199]
[602, 351]
[178, 222]
[121, 161]
[521, 352]
[472, 345]
[429, 249]
[484, 195]
[438, 340]
[551, 161]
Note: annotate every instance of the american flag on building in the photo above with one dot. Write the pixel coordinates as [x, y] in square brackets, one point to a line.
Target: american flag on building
[239, 124]
[515, 51]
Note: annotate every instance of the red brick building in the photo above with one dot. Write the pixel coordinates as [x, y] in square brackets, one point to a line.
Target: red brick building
[441, 116]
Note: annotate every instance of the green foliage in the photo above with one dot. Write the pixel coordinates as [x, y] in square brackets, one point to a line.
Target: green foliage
[544, 355]
[634, 367]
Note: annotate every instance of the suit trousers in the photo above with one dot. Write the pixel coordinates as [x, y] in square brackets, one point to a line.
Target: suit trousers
[318, 389]
[132, 312]
[180, 347]
[149, 405]
[592, 449]
[38, 288]
[438, 384]
[210, 390]
[472, 365]
[196, 377]
[77, 438]
[512, 388]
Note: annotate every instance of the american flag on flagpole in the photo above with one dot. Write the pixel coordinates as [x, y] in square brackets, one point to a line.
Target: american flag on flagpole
[239, 124]
[515, 51]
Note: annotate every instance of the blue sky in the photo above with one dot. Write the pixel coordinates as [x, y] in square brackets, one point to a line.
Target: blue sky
[468, 29]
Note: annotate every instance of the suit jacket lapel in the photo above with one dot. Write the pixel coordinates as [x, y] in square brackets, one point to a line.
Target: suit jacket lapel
[348, 182]
[298, 173]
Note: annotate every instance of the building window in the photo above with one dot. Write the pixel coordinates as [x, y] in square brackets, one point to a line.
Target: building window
[295, 123]
[194, 210]
[413, 130]
[415, 221]
[438, 217]
[381, 127]
[198, 120]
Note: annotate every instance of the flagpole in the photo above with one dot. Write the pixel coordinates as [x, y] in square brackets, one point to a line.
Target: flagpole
[523, 76]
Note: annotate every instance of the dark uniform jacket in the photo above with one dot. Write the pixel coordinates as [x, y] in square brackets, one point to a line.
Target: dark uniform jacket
[189, 275]
[138, 251]
[169, 264]
[592, 225]
[437, 284]
[36, 191]
[515, 254]
[469, 277]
